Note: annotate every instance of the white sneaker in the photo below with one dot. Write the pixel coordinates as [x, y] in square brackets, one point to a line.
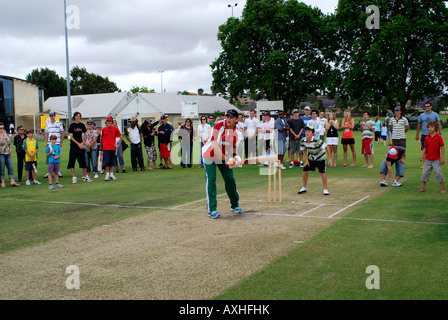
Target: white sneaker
[51, 187]
[291, 165]
[28, 182]
[96, 176]
[87, 179]
[396, 183]
[283, 167]
[326, 193]
[301, 164]
[75, 180]
[60, 174]
[303, 190]
[107, 178]
[36, 182]
[112, 177]
[383, 183]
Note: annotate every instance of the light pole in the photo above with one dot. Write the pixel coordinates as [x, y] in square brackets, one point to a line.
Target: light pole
[230, 6]
[161, 81]
[69, 100]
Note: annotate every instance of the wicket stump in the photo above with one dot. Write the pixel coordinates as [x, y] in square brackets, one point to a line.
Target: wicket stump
[274, 170]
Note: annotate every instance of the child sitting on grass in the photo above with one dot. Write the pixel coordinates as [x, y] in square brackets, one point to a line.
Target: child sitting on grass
[433, 156]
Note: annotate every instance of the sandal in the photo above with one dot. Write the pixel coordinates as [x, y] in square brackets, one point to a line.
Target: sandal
[15, 184]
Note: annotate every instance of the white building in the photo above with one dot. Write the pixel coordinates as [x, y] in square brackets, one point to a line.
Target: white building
[124, 105]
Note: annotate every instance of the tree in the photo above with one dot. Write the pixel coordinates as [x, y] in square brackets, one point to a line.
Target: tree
[405, 59]
[55, 86]
[143, 89]
[274, 49]
[84, 82]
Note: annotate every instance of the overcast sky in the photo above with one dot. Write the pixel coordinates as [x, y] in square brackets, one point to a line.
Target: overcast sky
[128, 41]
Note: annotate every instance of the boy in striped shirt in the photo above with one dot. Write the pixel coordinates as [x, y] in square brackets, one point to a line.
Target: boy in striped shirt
[315, 154]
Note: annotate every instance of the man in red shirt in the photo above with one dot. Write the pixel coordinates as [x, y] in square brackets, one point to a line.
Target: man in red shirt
[109, 142]
[434, 157]
[221, 147]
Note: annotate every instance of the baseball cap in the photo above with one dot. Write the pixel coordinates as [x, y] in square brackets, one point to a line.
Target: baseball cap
[90, 122]
[232, 113]
[309, 128]
[52, 113]
[397, 108]
[163, 117]
[307, 108]
[295, 111]
[392, 153]
[109, 118]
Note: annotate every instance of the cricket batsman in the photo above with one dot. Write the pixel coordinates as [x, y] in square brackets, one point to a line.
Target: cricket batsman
[220, 151]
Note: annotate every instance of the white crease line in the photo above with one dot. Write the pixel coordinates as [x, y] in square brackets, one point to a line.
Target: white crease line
[193, 202]
[293, 202]
[93, 204]
[249, 213]
[302, 214]
[347, 218]
[350, 205]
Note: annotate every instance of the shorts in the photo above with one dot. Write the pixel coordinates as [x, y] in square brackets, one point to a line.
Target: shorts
[320, 165]
[281, 149]
[377, 135]
[76, 154]
[428, 167]
[332, 141]
[53, 167]
[367, 146]
[422, 142]
[384, 138]
[347, 141]
[399, 143]
[165, 150]
[29, 165]
[294, 146]
[399, 168]
[108, 158]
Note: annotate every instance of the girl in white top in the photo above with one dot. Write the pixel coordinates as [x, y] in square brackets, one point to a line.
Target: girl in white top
[204, 130]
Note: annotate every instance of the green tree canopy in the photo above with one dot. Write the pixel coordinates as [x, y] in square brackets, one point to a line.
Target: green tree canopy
[275, 49]
[54, 85]
[143, 89]
[84, 82]
[404, 59]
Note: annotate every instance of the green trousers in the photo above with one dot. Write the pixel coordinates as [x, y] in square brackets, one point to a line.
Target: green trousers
[210, 185]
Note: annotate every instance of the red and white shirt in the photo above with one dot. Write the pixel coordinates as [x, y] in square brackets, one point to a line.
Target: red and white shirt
[226, 138]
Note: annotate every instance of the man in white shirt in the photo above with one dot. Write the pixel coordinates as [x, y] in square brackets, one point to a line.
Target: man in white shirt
[250, 135]
[56, 128]
[134, 136]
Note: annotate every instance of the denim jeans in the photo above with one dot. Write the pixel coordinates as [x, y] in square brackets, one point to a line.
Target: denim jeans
[119, 157]
[200, 152]
[92, 157]
[399, 167]
[187, 148]
[5, 159]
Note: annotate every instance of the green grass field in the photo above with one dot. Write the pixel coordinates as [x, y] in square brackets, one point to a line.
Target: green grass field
[402, 232]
